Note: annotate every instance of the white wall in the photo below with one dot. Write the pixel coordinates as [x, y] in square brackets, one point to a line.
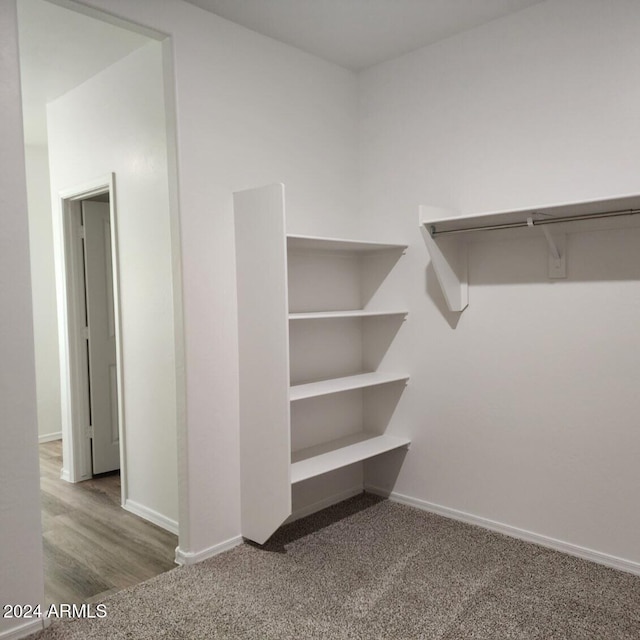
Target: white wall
[43, 287]
[534, 108]
[250, 111]
[524, 409]
[20, 530]
[115, 122]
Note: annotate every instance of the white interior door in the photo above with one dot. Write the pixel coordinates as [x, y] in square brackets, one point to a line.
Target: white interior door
[103, 389]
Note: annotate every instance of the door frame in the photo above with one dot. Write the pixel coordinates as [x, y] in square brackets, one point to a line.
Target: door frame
[76, 444]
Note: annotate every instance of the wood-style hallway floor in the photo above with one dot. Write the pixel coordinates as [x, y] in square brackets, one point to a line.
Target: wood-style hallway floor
[92, 546]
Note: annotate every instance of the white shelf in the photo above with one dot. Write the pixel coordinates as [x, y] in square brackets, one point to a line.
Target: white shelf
[357, 313]
[449, 222]
[314, 461]
[336, 385]
[317, 243]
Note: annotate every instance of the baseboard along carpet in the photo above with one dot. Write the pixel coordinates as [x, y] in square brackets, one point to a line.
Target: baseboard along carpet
[372, 569]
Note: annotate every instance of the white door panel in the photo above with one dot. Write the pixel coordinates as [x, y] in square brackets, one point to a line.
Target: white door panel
[102, 342]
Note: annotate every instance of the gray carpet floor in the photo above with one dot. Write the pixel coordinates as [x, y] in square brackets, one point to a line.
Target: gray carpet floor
[372, 569]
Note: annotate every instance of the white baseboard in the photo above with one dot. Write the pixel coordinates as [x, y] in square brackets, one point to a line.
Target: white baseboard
[65, 475]
[190, 557]
[50, 437]
[22, 631]
[522, 534]
[193, 557]
[151, 515]
[324, 503]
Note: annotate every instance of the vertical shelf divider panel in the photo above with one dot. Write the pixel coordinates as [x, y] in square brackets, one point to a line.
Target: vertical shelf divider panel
[263, 335]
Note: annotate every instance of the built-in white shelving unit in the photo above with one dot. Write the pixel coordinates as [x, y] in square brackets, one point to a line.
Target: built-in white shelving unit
[446, 233]
[307, 332]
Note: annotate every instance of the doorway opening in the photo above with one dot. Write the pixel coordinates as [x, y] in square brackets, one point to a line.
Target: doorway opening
[94, 337]
[97, 101]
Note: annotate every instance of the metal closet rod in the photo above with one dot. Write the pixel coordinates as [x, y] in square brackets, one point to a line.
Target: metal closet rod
[515, 225]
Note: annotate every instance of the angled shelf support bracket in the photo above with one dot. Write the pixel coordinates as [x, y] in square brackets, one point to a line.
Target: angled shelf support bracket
[557, 267]
[449, 260]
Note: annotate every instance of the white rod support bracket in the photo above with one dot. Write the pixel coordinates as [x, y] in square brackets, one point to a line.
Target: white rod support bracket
[553, 247]
[557, 267]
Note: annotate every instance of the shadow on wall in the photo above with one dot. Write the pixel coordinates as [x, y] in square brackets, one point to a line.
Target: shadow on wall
[593, 256]
[376, 269]
[435, 293]
[608, 255]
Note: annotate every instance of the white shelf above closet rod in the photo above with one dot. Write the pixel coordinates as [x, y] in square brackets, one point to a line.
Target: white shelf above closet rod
[530, 222]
